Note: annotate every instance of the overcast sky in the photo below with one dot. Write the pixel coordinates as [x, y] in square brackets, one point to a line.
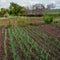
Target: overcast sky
[5, 3]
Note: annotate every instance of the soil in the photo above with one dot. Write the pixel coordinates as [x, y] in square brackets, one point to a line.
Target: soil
[1, 44]
[49, 28]
[9, 53]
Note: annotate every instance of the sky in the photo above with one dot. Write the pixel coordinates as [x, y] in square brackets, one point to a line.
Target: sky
[6, 3]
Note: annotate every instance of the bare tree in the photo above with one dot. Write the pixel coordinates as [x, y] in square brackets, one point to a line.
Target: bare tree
[37, 9]
[50, 6]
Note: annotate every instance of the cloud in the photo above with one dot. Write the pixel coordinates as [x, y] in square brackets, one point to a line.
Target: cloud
[3, 1]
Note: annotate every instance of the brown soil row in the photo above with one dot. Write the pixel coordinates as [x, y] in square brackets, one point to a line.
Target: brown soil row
[1, 44]
[49, 28]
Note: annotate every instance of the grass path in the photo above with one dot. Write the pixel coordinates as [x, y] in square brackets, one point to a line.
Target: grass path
[5, 48]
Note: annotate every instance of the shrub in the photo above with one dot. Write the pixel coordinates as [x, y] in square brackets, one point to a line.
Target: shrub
[6, 15]
[48, 19]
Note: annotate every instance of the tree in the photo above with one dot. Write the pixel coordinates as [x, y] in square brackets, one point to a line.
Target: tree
[38, 6]
[3, 12]
[49, 6]
[15, 9]
[38, 9]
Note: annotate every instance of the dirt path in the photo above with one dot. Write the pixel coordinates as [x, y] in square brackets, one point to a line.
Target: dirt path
[1, 44]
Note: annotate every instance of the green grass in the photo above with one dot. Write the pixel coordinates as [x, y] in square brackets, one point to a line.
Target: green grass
[1, 23]
[25, 23]
[5, 47]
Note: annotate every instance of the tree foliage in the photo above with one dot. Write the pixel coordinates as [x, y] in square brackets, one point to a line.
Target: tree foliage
[3, 11]
[15, 9]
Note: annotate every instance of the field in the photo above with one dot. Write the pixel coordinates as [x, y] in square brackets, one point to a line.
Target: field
[41, 42]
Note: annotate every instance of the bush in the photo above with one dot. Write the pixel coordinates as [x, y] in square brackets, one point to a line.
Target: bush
[48, 19]
[6, 15]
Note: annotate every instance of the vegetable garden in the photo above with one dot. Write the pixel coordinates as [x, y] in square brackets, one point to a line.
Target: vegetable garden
[30, 43]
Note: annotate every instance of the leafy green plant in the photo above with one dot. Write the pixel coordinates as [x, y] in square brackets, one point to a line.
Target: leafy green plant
[6, 15]
[48, 19]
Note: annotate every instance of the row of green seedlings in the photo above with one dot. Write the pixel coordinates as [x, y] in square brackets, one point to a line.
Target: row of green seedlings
[34, 36]
[13, 45]
[34, 41]
[37, 33]
[25, 39]
[19, 39]
[54, 40]
[39, 40]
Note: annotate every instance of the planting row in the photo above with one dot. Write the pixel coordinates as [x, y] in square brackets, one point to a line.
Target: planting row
[27, 45]
[50, 44]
